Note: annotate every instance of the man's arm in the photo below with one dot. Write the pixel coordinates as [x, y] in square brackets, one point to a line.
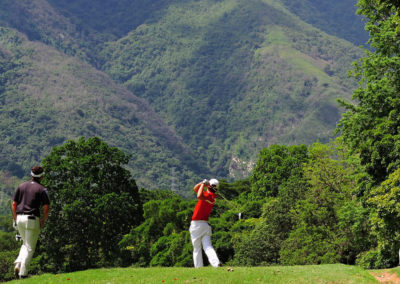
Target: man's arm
[200, 193]
[14, 210]
[196, 187]
[46, 210]
[199, 188]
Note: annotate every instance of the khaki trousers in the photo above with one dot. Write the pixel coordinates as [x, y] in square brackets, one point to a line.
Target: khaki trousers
[29, 230]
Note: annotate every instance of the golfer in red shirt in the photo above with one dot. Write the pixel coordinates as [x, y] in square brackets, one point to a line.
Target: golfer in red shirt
[200, 230]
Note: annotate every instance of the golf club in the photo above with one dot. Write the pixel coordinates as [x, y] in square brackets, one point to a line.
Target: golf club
[231, 204]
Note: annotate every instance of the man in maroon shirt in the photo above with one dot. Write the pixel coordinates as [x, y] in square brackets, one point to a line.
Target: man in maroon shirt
[27, 200]
[200, 230]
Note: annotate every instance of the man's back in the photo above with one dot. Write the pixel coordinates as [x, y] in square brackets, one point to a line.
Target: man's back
[29, 196]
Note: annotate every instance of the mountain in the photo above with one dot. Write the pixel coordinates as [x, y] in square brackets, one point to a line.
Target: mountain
[233, 77]
[48, 97]
[190, 88]
[336, 18]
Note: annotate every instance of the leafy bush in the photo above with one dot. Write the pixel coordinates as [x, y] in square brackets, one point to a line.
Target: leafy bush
[384, 201]
[7, 259]
[161, 239]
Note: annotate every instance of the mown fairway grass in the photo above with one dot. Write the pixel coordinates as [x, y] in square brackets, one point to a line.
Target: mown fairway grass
[336, 273]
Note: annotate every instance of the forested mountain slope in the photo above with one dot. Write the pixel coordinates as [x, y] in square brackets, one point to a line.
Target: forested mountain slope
[336, 18]
[235, 76]
[227, 78]
[48, 97]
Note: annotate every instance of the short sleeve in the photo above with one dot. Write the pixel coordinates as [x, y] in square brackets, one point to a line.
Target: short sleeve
[45, 197]
[17, 196]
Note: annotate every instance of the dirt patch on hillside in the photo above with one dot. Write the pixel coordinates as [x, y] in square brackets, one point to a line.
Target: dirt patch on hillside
[386, 276]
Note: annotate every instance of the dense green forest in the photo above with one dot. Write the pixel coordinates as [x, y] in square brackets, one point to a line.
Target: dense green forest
[47, 97]
[228, 94]
[188, 88]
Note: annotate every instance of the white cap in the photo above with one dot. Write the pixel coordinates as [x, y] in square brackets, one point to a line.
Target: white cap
[38, 175]
[214, 182]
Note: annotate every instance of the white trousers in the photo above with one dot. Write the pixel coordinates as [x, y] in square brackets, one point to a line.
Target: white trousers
[200, 232]
[29, 230]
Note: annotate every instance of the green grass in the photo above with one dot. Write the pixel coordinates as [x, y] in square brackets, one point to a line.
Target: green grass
[336, 273]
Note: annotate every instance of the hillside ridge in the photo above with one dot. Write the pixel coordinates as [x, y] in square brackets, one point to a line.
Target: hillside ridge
[57, 97]
[211, 81]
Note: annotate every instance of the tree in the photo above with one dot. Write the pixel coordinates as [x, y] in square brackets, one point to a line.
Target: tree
[163, 238]
[8, 184]
[329, 224]
[279, 175]
[372, 126]
[385, 202]
[260, 240]
[94, 202]
[275, 166]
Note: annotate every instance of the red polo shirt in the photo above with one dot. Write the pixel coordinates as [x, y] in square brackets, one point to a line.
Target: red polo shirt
[204, 206]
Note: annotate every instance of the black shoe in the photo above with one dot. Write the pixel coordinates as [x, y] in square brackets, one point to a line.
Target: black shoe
[23, 276]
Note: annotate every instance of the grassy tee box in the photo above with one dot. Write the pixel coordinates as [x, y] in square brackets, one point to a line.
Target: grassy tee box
[335, 273]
